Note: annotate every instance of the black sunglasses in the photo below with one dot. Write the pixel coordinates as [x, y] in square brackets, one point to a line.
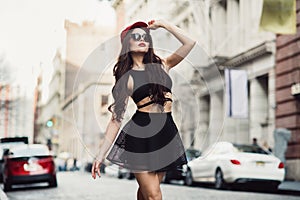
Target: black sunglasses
[138, 37]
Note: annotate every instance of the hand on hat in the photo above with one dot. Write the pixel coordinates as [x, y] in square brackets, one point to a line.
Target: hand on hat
[155, 24]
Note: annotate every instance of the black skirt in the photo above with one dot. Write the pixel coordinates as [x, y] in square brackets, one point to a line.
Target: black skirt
[148, 142]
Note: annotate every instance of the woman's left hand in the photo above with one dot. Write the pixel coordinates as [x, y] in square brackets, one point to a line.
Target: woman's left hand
[155, 24]
[96, 169]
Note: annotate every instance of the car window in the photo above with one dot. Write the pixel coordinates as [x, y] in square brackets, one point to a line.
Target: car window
[25, 151]
[4, 147]
[250, 149]
[10, 144]
[218, 148]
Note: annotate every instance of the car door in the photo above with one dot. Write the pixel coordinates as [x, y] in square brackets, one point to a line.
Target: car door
[202, 165]
[208, 166]
[212, 158]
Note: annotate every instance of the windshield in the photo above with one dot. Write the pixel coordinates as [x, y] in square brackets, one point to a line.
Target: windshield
[26, 151]
[6, 146]
[250, 149]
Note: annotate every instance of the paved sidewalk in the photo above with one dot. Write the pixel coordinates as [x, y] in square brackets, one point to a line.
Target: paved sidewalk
[293, 186]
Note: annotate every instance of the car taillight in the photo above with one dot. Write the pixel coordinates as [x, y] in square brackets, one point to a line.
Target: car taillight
[15, 167]
[47, 163]
[235, 162]
[281, 165]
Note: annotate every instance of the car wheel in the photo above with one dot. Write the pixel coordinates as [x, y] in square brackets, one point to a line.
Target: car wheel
[219, 180]
[120, 175]
[189, 178]
[7, 186]
[129, 175]
[53, 182]
[166, 179]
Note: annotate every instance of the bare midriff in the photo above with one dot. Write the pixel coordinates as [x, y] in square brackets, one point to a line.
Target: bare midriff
[156, 108]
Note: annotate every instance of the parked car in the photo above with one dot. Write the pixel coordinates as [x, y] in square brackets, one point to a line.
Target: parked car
[118, 171]
[180, 172]
[125, 173]
[224, 163]
[5, 145]
[31, 163]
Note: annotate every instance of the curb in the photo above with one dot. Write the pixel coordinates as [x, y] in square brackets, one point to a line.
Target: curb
[293, 186]
[3, 195]
[288, 192]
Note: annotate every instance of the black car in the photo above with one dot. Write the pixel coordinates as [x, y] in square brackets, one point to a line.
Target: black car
[180, 172]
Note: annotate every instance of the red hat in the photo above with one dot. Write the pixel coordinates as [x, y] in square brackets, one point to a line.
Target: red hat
[132, 26]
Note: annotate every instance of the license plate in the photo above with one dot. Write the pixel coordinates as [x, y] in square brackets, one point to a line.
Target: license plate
[31, 167]
[260, 163]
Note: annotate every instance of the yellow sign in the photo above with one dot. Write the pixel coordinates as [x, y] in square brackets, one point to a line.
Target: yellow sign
[279, 16]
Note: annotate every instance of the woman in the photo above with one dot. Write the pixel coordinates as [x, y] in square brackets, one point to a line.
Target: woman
[149, 144]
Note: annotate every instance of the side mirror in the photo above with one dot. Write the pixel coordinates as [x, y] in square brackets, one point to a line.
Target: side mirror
[6, 152]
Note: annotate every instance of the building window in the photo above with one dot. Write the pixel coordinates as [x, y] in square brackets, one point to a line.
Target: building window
[223, 3]
[186, 23]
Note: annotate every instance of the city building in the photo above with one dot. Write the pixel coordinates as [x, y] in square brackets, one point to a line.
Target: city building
[49, 113]
[16, 103]
[14, 108]
[73, 119]
[288, 95]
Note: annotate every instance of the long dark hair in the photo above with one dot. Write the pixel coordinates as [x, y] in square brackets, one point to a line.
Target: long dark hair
[155, 74]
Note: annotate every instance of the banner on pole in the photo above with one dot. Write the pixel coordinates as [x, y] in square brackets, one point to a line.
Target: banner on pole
[236, 93]
[279, 16]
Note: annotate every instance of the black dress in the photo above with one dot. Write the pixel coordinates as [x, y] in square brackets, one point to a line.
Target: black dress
[148, 141]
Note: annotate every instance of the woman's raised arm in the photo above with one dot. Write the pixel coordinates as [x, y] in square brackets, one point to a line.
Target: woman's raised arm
[182, 51]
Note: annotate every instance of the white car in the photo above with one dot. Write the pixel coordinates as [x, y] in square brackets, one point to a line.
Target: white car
[224, 163]
[117, 171]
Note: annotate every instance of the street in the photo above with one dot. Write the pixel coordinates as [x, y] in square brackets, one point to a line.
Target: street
[80, 185]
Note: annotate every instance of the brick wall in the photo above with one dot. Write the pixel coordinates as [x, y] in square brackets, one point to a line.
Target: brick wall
[287, 74]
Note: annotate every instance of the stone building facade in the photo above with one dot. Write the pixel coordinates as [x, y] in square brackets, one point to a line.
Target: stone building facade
[79, 91]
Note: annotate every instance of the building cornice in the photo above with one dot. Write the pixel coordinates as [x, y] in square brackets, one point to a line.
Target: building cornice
[268, 47]
[265, 48]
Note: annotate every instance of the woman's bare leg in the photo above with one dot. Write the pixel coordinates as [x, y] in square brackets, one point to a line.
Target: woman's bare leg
[139, 192]
[149, 183]
[140, 195]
